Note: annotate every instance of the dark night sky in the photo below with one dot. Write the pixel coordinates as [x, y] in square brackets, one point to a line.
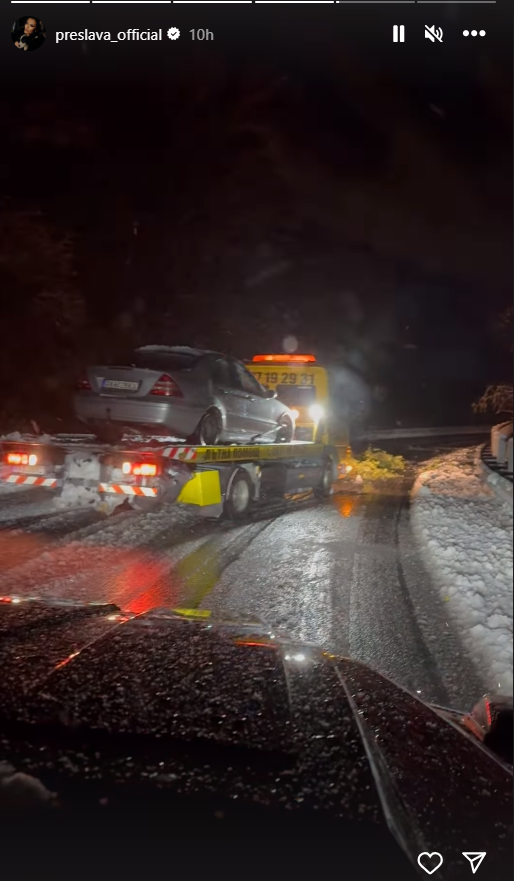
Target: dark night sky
[283, 179]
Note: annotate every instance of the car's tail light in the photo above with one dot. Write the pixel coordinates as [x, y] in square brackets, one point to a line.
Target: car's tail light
[84, 384]
[21, 459]
[167, 387]
[140, 469]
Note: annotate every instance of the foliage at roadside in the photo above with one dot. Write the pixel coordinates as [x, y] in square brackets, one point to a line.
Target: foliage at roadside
[498, 397]
[377, 465]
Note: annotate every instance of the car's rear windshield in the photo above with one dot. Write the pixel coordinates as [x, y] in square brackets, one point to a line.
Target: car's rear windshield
[296, 395]
[175, 362]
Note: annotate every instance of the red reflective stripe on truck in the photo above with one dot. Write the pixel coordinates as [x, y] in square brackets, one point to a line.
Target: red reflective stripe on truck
[186, 454]
[127, 490]
[18, 479]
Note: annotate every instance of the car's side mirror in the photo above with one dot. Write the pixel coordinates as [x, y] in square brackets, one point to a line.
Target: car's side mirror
[494, 716]
[270, 393]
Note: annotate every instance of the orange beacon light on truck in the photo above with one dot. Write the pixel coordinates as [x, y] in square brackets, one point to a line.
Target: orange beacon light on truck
[284, 359]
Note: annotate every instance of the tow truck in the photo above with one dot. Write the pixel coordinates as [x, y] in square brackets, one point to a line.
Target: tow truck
[146, 471]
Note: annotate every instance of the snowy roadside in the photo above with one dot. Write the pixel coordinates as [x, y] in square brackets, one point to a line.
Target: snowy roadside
[465, 533]
[8, 489]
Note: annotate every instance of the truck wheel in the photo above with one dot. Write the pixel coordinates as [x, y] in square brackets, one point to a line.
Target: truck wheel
[327, 479]
[284, 433]
[238, 499]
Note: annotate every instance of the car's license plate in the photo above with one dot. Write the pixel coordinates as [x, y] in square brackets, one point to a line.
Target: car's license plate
[31, 469]
[121, 384]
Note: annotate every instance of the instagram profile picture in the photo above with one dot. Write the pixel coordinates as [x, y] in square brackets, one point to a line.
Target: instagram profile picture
[28, 33]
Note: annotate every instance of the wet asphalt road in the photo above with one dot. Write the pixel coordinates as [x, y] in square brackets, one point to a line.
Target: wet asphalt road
[344, 573]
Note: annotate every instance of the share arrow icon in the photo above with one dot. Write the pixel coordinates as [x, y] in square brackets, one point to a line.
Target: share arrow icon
[475, 858]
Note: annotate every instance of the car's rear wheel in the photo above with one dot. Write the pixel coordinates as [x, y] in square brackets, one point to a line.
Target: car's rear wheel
[238, 499]
[209, 429]
[285, 431]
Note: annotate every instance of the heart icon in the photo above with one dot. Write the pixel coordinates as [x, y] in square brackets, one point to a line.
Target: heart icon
[427, 860]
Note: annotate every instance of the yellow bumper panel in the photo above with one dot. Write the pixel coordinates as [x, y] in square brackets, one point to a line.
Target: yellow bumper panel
[192, 613]
[203, 489]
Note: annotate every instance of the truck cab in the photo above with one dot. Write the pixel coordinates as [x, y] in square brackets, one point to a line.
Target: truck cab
[302, 385]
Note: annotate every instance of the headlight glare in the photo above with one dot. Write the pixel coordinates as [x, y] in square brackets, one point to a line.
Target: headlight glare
[316, 412]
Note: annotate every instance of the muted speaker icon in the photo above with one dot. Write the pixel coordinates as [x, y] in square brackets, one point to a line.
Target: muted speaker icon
[433, 33]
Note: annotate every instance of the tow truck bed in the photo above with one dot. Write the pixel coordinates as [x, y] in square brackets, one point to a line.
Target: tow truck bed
[167, 470]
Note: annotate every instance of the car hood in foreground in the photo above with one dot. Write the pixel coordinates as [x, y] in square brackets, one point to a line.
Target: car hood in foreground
[178, 699]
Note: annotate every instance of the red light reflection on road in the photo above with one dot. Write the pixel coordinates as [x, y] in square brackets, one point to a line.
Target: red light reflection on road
[93, 574]
[130, 576]
[16, 548]
[145, 584]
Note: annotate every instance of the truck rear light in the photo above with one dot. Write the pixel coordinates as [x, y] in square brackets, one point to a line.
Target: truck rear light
[140, 469]
[84, 384]
[167, 387]
[21, 459]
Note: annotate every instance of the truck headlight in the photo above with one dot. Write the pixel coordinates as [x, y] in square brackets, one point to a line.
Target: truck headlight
[316, 412]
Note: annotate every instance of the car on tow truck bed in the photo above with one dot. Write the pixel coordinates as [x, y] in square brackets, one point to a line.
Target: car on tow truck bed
[198, 395]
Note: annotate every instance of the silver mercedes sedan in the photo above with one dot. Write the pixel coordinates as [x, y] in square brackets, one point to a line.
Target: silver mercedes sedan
[200, 396]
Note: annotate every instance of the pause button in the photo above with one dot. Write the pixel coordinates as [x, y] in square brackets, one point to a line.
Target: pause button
[398, 33]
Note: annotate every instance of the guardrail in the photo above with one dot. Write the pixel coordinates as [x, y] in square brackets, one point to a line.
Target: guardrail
[494, 460]
[499, 455]
[445, 431]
